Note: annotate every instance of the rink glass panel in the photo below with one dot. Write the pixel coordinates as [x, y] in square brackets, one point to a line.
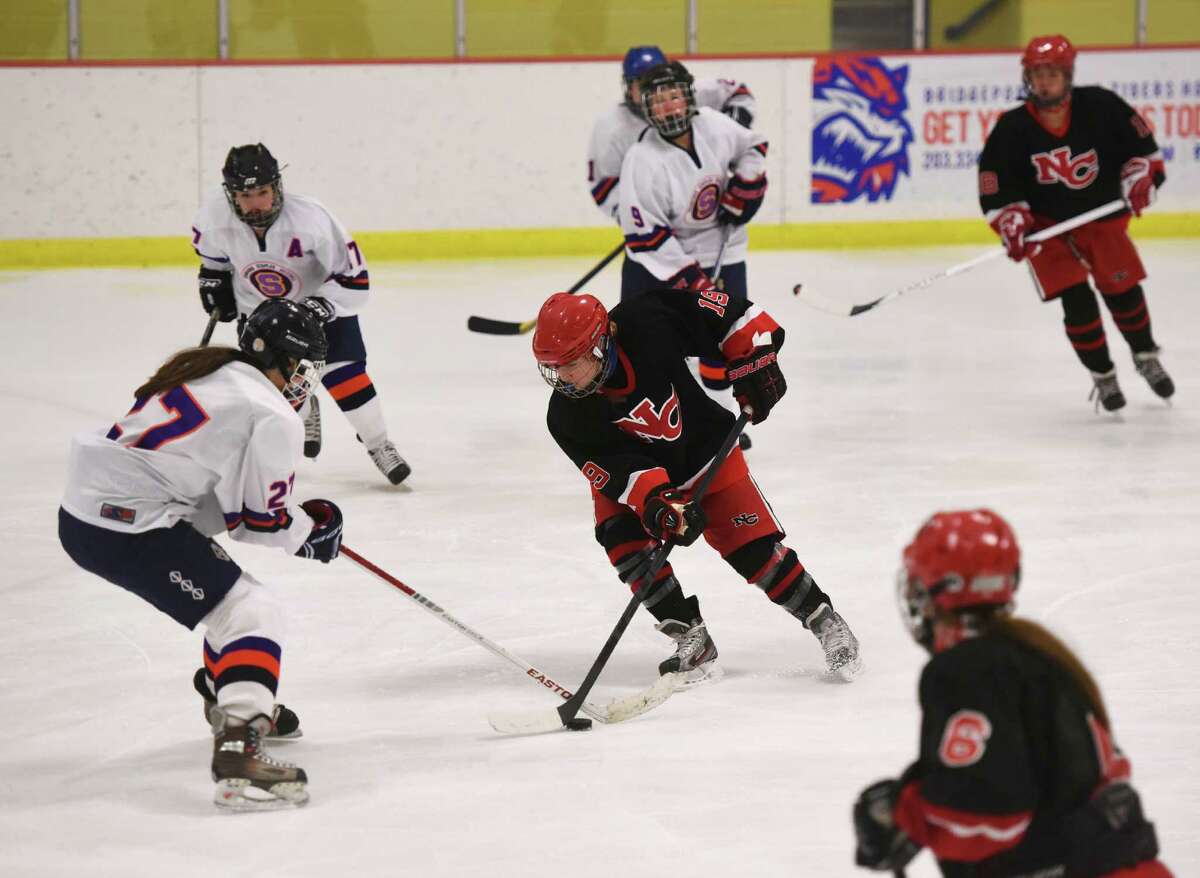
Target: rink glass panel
[1173, 21]
[761, 26]
[33, 30]
[122, 30]
[601, 27]
[350, 29]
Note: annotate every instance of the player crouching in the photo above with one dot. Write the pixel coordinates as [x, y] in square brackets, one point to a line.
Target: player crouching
[628, 412]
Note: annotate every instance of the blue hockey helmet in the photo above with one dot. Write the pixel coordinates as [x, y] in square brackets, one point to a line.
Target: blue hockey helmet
[637, 61]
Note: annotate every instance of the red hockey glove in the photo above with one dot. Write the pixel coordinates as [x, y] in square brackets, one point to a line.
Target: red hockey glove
[758, 382]
[741, 200]
[667, 515]
[1137, 184]
[325, 541]
[690, 277]
[1012, 225]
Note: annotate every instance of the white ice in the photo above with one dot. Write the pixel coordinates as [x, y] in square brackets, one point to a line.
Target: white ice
[959, 395]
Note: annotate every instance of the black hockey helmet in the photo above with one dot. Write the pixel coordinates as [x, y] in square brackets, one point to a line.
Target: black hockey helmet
[250, 167]
[284, 335]
[656, 85]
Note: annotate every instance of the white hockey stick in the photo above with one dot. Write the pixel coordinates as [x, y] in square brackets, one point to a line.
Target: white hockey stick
[614, 712]
[996, 252]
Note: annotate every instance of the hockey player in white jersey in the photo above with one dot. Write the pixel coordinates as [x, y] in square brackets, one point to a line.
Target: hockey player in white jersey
[254, 244]
[211, 446]
[618, 127]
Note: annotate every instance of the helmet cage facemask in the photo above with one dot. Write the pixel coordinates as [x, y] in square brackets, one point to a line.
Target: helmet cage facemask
[303, 380]
[603, 351]
[1044, 103]
[677, 123]
[257, 221]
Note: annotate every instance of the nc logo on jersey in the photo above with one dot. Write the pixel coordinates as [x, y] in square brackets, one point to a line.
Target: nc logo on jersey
[860, 134]
[745, 519]
[706, 198]
[1058, 166]
[272, 280]
[649, 423]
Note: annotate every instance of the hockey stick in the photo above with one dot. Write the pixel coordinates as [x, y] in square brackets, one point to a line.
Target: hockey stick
[1065, 226]
[505, 327]
[564, 716]
[614, 712]
[208, 330]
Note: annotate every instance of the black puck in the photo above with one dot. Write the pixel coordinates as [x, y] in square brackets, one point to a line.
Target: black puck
[579, 724]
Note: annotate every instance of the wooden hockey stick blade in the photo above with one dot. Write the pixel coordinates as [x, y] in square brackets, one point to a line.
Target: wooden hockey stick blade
[488, 326]
[541, 721]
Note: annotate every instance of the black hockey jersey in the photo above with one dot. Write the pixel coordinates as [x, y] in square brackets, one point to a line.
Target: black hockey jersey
[1061, 174]
[651, 422]
[1011, 756]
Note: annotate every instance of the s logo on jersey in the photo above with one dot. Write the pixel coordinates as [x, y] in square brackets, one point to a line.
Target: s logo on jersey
[706, 199]
[860, 134]
[649, 423]
[272, 280]
[1058, 166]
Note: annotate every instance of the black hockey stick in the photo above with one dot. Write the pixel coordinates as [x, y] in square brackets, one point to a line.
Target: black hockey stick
[996, 252]
[564, 715]
[506, 327]
[208, 330]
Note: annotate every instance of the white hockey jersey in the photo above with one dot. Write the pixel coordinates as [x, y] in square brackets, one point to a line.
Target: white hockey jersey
[306, 252]
[669, 206]
[219, 452]
[618, 128]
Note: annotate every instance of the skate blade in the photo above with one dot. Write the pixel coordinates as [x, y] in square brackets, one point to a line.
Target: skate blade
[710, 672]
[846, 673]
[238, 795]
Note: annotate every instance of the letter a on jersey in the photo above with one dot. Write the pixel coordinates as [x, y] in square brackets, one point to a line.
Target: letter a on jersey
[649, 423]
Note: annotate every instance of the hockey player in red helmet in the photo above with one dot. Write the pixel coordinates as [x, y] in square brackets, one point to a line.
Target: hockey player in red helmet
[1067, 150]
[1018, 773]
[630, 414]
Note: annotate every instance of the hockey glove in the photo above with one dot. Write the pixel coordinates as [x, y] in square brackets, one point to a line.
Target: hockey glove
[325, 541]
[1012, 225]
[740, 115]
[1137, 184]
[758, 382]
[668, 515]
[216, 294]
[690, 277]
[879, 843]
[741, 200]
[320, 307]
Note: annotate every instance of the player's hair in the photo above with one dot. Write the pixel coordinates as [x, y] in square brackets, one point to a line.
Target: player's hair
[188, 365]
[1039, 639]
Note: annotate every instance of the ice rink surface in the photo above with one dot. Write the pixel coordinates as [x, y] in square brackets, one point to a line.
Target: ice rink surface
[960, 395]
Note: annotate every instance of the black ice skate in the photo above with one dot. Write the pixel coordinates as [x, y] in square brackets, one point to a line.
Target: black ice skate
[695, 658]
[842, 660]
[1106, 392]
[247, 778]
[285, 724]
[1150, 368]
[390, 463]
[312, 428]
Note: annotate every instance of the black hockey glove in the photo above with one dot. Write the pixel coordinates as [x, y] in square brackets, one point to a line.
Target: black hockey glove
[740, 115]
[879, 843]
[758, 382]
[216, 293]
[325, 541]
[320, 307]
[741, 200]
[668, 515]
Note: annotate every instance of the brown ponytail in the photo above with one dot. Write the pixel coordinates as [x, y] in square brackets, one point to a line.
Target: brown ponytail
[188, 365]
[1038, 638]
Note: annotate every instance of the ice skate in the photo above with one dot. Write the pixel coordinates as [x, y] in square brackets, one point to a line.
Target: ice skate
[1150, 368]
[312, 428]
[695, 658]
[285, 725]
[842, 660]
[1106, 392]
[390, 463]
[247, 778]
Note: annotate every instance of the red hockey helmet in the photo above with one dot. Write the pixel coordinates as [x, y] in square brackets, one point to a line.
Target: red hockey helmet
[570, 327]
[1054, 49]
[958, 561]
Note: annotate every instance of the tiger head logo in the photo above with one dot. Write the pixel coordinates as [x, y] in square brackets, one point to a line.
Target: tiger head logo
[860, 134]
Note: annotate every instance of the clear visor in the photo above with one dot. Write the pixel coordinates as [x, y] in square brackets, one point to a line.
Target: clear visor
[303, 380]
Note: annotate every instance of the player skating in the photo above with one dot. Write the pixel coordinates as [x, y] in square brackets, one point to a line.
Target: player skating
[1067, 150]
[211, 446]
[255, 244]
[1019, 774]
[628, 412]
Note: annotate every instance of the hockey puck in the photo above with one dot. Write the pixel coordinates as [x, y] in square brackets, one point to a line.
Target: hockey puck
[796, 289]
[579, 724]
